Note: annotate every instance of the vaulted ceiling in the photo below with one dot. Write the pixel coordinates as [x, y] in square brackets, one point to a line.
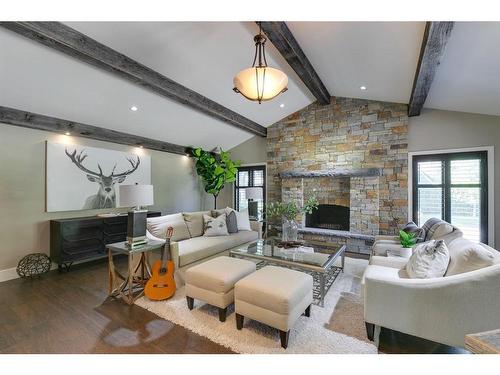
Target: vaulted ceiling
[204, 56]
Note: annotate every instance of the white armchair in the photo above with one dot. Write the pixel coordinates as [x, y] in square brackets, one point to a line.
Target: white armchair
[441, 309]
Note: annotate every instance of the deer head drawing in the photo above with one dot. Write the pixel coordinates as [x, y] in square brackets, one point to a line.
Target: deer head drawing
[106, 195]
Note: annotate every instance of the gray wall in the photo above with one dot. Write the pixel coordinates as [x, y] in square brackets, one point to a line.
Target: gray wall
[252, 151]
[24, 224]
[439, 130]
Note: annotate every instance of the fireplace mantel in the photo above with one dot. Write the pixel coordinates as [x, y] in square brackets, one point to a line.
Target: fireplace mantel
[337, 172]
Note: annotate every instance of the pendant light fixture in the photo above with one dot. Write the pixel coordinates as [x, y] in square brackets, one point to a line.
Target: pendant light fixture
[260, 82]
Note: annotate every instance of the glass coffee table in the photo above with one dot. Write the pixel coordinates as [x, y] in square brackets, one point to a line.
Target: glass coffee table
[314, 257]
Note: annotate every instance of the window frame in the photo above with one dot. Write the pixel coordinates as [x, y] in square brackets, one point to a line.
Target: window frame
[485, 155]
[250, 169]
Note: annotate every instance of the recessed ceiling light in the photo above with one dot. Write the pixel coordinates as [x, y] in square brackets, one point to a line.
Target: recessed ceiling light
[67, 133]
[134, 108]
[282, 105]
[363, 88]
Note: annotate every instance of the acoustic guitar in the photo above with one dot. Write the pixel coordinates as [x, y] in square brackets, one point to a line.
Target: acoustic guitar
[161, 284]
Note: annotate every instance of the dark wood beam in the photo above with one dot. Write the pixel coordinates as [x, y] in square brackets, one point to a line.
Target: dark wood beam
[436, 36]
[75, 44]
[36, 121]
[282, 38]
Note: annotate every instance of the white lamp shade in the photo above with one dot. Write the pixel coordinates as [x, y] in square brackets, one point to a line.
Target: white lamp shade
[260, 83]
[253, 193]
[136, 195]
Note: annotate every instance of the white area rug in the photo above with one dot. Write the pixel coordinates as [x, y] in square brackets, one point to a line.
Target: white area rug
[309, 335]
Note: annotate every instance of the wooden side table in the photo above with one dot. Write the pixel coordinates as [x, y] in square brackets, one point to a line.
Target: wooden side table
[483, 342]
[131, 286]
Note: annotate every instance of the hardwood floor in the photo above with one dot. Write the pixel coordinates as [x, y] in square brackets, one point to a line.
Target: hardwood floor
[70, 313]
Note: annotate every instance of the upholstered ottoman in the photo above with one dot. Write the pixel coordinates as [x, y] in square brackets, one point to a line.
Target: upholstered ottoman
[274, 296]
[213, 281]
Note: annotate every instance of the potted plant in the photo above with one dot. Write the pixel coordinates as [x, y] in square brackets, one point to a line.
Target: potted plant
[288, 212]
[215, 170]
[407, 239]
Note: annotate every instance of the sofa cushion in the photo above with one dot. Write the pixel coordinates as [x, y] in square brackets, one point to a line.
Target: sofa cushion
[393, 262]
[214, 226]
[429, 260]
[157, 226]
[196, 248]
[194, 222]
[466, 256]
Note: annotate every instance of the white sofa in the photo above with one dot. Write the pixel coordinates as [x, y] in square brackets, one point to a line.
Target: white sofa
[197, 248]
[442, 309]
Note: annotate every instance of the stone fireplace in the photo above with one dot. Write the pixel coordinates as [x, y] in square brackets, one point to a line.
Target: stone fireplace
[351, 155]
[329, 216]
[348, 199]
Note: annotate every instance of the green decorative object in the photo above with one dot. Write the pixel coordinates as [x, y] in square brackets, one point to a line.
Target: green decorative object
[407, 239]
[215, 170]
[288, 213]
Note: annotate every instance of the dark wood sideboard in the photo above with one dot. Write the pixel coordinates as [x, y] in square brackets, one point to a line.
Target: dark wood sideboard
[85, 238]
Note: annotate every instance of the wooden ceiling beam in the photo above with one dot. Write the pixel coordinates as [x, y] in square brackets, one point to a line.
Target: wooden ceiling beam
[282, 38]
[75, 44]
[12, 116]
[436, 36]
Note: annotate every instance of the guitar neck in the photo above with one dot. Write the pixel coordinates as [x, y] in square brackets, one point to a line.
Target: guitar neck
[166, 249]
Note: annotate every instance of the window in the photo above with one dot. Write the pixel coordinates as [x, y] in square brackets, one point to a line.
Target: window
[251, 183]
[453, 187]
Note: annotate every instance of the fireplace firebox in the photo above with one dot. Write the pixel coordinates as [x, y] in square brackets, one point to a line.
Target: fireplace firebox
[329, 216]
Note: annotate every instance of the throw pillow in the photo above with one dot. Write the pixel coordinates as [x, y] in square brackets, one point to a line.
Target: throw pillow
[221, 211]
[435, 228]
[495, 252]
[194, 222]
[411, 227]
[157, 226]
[466, 256]
[215, 226]
[232, 222]
[429, 259]
[243, 220]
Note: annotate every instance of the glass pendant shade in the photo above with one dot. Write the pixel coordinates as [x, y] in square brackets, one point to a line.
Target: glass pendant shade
[260, 83]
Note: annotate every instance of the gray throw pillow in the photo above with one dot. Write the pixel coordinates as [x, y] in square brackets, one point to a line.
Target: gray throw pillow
[411, 227]
[232, 223]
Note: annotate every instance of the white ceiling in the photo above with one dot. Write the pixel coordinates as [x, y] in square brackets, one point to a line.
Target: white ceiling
[204, 56]
[382, 56]
[201, 56]
[468, 78]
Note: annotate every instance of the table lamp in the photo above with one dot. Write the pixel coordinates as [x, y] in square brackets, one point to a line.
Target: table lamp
[251, 194]
[137, 197]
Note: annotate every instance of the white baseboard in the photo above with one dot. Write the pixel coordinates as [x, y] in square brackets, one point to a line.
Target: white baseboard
[10, 273]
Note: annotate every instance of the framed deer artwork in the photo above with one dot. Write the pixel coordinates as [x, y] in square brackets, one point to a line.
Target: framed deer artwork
[83, 178]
